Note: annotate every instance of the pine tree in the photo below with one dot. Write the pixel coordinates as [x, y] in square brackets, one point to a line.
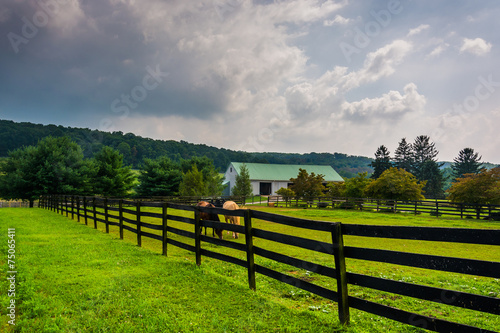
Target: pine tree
[382, 161]
[159, 177]
[403, 157]
[423, 150]
[466, 162]
[112, 178]
[243, 186]
[426, 168]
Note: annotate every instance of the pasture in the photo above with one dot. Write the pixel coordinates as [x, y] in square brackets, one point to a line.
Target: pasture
[324, 311]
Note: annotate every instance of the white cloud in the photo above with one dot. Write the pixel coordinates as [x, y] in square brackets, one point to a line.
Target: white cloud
[338, 20]
[418, 30]
[391, 106]
[476, 46]
[437, 50]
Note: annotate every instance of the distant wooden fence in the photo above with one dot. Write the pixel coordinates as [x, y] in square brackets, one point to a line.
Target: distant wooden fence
[433, 207]
[103, 210]
[9, 204]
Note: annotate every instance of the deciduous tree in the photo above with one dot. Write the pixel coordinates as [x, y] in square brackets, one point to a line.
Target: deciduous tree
[396, 184]
[307, 185]
[481, 188]
[192, 183]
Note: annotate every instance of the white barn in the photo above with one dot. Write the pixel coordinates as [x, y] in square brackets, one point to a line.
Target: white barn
[266, 179]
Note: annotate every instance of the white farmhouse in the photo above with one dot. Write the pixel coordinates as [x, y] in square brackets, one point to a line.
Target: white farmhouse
[266, 179]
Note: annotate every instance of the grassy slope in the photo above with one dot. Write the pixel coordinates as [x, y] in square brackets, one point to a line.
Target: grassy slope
[74, 279]
[147, 273]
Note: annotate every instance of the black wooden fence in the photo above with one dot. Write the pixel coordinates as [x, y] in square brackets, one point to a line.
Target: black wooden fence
[104, 210]
[432, 207]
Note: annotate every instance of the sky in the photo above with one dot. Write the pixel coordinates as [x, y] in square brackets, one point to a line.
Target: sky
[282, 76]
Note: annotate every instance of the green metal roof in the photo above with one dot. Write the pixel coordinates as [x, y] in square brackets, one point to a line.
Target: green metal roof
[283, 172]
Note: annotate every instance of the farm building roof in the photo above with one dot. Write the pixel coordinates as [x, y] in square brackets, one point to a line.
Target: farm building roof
[283, 172]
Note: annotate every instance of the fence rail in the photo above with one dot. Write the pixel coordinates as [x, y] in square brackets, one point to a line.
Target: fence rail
[433, 207]
[111, 212]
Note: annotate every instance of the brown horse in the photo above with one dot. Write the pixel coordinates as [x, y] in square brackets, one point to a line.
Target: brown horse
[231, 205]
[211, 217]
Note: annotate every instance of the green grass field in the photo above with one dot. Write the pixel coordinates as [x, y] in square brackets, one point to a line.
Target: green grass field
[72, 278]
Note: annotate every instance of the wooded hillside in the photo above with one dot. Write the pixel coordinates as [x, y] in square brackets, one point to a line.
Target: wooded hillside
[135, 148]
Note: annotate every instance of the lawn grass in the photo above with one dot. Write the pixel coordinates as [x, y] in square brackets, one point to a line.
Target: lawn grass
[74, 278]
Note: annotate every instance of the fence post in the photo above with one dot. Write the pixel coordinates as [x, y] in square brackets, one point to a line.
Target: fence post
[95, 213]
[138, 213]
[66, 205]
[78, 208]
[341, 275]
[120, 214]
[106, 218]
[250, 251]
[164, 224]
[72, 205]
[197, 235]
[85, 210]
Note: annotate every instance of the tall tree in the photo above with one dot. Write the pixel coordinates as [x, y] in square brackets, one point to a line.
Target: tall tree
[466, 162]
[430, 173]
[403, 157]
[53, 166]
[159, 177]
[242, 186]
[382, 161]
[111, 177]
[192, 183]
[425, 166]
[307, 185]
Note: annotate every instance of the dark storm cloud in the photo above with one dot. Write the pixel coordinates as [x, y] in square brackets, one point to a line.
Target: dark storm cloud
[61, 58]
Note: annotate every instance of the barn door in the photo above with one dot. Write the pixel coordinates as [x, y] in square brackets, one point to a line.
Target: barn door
[265, 188]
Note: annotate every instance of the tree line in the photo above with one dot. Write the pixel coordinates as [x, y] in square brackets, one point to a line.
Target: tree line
[412, 173]
[136, 149]
[58, 166]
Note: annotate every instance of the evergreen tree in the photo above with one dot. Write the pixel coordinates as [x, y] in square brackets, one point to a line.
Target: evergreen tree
[403, 158]
[159, 177]
[382, 162]
[111, 177]
[192, 183]
[434, 178]
[426, 168]
[423, 150]
[243, 186]
[466, 162]
[53, 166]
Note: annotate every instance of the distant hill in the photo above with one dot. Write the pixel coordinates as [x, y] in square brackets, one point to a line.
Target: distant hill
[135, 148]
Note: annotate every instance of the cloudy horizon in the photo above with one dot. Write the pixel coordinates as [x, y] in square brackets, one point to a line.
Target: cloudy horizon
[292, 76]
